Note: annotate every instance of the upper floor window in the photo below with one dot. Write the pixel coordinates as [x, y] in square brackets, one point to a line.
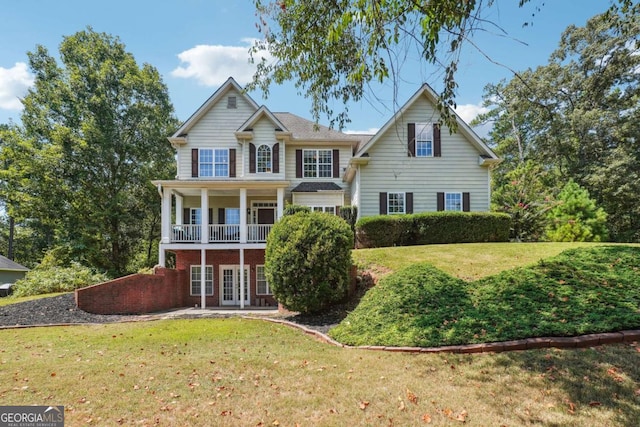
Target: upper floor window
[396, 203]
[453, 201]
[263, 158]
[231, 102]
[424, 140]
[317, 163]
[214, 162]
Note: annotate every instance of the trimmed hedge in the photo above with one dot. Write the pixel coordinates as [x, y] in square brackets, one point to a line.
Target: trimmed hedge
[432, 228]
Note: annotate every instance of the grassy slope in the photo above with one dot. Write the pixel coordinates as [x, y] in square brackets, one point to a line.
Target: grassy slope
[580, 291]
[469, 261]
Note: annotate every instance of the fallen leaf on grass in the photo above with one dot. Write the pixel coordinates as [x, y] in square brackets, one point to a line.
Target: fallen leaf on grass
[426, 418]
[595, 404]
[401, 406]
[364, 404]
[462, 416]
[412, 397]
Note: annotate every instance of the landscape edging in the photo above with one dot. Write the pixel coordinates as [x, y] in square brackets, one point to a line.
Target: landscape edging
[581, 341]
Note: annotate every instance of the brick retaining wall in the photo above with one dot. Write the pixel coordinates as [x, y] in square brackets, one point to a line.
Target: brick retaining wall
[134, 294]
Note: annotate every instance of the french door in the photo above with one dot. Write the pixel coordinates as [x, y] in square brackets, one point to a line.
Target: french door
[230, 285]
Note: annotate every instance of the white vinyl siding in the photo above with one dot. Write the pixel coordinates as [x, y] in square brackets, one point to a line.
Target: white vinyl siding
[391, 170]
[318, 199]
[216, 129]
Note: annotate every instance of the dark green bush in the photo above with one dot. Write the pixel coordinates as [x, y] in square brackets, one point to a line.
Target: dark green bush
[307, 260]
[46, 279]
[293, 209]
[432, 227]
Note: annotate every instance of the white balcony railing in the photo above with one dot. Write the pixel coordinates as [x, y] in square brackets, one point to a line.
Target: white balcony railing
[258, 232]
[186, 233]
[224, 233]
[220, 233]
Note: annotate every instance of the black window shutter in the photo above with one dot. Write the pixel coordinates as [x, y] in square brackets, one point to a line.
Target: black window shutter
[440, 201]
[409, 202]
[298, 163]
[186, 216]
[252, 158]
[336, 163]
[194, 162]
[210, 213]
[466, 202]
[220, 215]
[275, 158]
[437, 141]
[383, 203]
[232, 163]
[411, 140]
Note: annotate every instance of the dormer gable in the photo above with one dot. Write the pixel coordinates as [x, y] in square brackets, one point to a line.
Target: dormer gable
[230, 94]
[245, 131]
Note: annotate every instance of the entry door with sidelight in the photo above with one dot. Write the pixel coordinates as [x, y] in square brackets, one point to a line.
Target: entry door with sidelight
[230, 283]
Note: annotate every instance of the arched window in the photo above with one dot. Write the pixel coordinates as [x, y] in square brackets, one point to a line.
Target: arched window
[263, 157]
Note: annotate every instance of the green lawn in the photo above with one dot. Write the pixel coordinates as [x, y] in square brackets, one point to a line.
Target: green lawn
[236, 372]
[468, 261]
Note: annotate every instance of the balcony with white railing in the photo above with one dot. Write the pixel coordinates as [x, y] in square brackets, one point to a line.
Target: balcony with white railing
[220, 233]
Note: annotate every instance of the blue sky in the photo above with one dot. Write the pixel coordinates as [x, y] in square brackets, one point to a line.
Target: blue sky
[198, 44]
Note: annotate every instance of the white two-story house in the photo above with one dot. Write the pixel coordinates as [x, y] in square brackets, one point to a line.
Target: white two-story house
[239, 164]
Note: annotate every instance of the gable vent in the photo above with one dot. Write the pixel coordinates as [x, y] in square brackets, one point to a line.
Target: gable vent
[231, 102]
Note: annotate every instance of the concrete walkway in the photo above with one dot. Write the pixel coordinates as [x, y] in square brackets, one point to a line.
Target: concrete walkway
[217, 312]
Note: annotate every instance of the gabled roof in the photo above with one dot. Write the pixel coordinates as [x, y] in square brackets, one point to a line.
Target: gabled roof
[8, 265]
[463, 127]
[262, 111]
[314, 187]
[303, 129]
[204, 108]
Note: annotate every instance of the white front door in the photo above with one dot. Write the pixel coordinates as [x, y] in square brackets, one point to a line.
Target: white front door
[230, 285]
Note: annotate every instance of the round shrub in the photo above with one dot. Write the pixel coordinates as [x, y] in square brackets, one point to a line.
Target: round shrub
[307, 260]
[45, 279]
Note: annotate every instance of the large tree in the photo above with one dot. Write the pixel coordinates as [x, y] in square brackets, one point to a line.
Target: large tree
[332, 50]
[94, 135]
[579, 115]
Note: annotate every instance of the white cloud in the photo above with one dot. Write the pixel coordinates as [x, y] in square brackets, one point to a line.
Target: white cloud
[468, 112]
[370, 131]
[212, 65]
[14, 83]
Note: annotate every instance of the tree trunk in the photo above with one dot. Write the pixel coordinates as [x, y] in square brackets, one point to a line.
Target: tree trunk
[12, 225]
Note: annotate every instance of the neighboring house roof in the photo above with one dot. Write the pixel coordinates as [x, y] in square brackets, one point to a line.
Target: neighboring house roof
[8, 265]
[314, 187]
[303, 129]
[204, 108]
[463, 127]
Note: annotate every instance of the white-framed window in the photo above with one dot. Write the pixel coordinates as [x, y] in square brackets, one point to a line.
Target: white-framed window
[453, 201]
[396, 203]
[317, 163]
[213, 162]
[424, 140]
[262, 286]
[195, 216]
[232, 216]
[326, 209]
[196, 277]
[263, 159]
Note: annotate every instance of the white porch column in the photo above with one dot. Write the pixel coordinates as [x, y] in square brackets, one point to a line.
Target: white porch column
[166, 216]
[280, 208]
[178, 209]
[204, 215]
[243, 217]
[203, 278]
[242, 284]
[162, 257]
